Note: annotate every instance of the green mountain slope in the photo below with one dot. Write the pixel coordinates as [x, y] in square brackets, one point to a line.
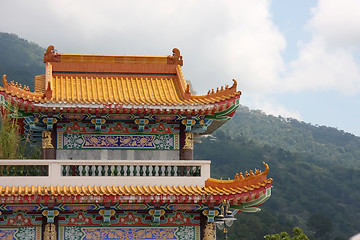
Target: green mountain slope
[312, 178]
[20, 60]
[320, 144]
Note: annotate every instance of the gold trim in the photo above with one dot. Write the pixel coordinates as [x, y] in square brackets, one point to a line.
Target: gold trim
[210, 231]
[50, 232]
[46, 139]
[189, 144]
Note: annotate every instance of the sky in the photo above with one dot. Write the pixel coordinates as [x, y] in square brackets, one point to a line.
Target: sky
[294, 58]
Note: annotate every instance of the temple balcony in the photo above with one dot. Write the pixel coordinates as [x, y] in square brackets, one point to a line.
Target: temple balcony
[99, 172]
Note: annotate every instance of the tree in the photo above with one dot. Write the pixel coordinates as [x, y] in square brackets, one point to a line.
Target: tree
[9, 136]
[298, 235]
[320, 225]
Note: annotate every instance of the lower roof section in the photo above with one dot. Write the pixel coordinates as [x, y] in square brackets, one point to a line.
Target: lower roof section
[131, 194]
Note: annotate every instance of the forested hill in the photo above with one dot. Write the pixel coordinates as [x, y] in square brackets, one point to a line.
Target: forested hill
[320, 144]
[316, 172]
[20, 60]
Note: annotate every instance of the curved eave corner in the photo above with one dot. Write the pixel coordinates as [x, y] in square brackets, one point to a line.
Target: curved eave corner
[255, 184]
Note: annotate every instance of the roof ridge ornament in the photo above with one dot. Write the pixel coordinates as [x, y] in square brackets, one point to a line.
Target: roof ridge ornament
[176, 58]
[18, 89]
[240, 180]
[224, 91]
[50, 55]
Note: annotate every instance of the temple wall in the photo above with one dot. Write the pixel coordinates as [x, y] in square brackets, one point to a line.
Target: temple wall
[92, 221]
[109, 154]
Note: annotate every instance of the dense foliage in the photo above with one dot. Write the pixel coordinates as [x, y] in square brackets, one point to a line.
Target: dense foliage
[298, 235]
[10, 147]
[321, 144]
[307, 185]
[20, 60]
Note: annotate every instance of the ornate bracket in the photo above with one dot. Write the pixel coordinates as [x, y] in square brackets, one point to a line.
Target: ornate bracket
[50, 215]
[141, 124]
[49, 122]
[98, 122]
[156, 214]
[202, 126]
[211, 214]
[106, 213]
[188, 124]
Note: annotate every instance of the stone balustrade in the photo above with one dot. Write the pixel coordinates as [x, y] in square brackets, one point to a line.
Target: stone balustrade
[100, 172]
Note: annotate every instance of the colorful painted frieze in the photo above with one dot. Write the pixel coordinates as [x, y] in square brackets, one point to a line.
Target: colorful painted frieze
[111, 141]
[143, 233]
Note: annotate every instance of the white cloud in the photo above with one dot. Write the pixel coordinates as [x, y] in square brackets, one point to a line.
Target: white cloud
[270, 106]
[338, 22]
[328, 61]
[219, 40]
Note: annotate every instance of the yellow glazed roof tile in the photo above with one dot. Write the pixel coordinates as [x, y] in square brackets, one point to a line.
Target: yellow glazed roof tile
[122, 80]
[125, 190]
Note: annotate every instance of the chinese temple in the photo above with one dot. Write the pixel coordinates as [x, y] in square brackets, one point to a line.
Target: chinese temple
[117, 136]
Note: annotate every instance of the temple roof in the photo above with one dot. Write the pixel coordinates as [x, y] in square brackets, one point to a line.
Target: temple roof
[126, 190]
[241, 189]
[109, 81]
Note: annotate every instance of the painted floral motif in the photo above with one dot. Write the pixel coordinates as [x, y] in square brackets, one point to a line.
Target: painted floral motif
[75, 127]
[7, 233]
[19, 220]
[74, 116]
[165, 141]
[120, 117]
[72, 233]
[79, 207]
[130, 219]
[118, 141]
[184, 207]
[162, 128]
[186, 233]
[119, 128]
[146, 233]
[78, 140]
[80, 219]
[72, 141]
[179, 219]
[131, 207]
[165, 117]
[26, 233]
[21, 208]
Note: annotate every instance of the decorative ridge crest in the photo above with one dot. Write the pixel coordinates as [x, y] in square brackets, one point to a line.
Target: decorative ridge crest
[22, 91]
[50, 55]
[222, 92]
[250, 178]
[176, 58]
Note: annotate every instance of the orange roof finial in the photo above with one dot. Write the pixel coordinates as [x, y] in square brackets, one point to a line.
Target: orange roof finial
[235, 84]
[50, 55]
[4, 80]
[176, 58]
[187, 88]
